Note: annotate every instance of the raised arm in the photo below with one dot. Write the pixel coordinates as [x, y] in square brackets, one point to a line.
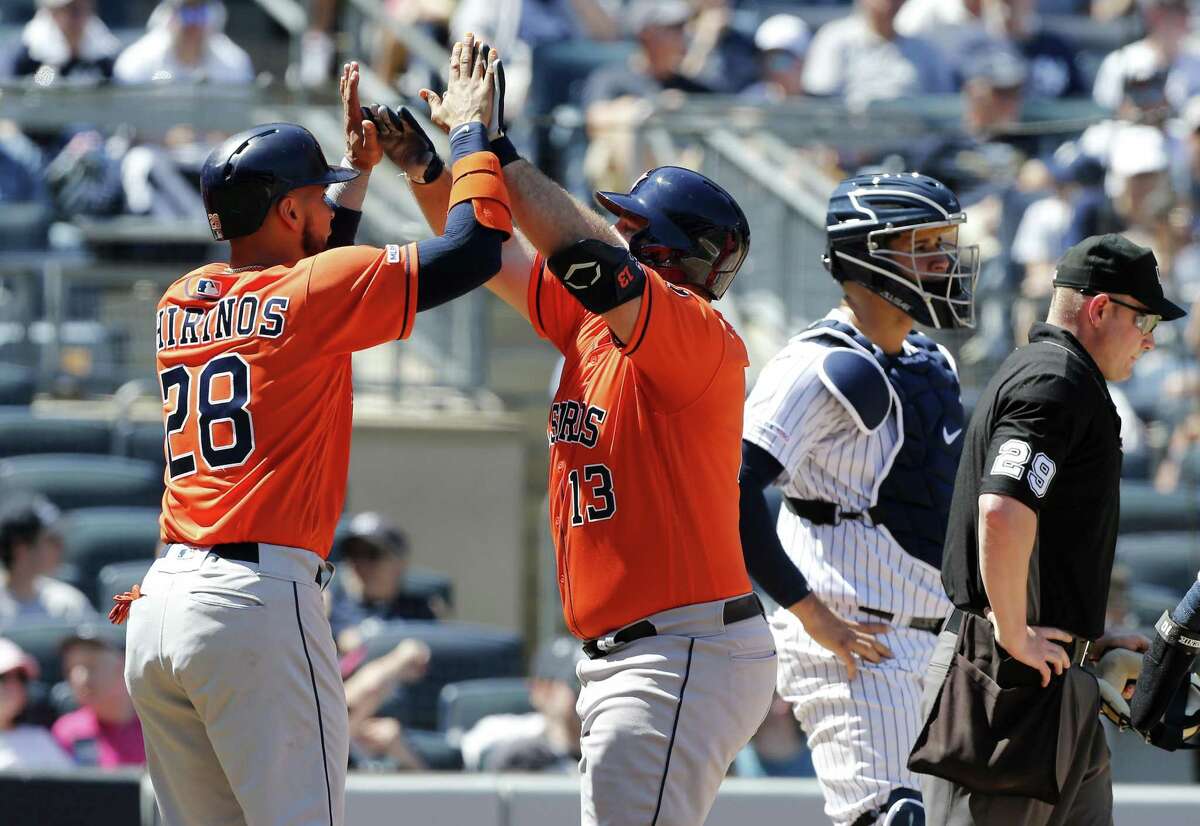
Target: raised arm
[409, 148]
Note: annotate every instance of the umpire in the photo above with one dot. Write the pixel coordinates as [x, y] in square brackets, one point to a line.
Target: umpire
[1012, 733]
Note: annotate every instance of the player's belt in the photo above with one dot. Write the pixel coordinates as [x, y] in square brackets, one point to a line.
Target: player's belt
[237, 551]
[820, 512]
[931, 624]
[1078, 648]
[735, 610]
[243, 552]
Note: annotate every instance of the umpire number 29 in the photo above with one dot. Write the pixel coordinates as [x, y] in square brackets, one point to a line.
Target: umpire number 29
[1011, 460]
[208, 411]
[598, 487]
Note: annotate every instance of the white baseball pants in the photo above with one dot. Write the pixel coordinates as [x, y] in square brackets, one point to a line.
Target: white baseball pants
[233, 672]
[664, 716]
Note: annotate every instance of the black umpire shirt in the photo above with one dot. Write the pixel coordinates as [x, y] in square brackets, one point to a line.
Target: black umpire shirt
[1045, 432]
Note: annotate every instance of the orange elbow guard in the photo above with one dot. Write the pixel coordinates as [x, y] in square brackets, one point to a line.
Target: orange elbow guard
[477, 178]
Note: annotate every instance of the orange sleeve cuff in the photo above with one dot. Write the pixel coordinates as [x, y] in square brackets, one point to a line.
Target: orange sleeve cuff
[478, 179]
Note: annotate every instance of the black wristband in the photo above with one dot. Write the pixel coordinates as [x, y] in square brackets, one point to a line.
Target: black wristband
[433, 170]
[1175, 634]
[505, 151]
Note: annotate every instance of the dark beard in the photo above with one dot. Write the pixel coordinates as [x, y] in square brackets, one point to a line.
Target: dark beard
[314, 244]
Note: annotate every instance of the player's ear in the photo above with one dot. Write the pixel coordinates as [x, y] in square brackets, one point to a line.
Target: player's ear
[288, 210]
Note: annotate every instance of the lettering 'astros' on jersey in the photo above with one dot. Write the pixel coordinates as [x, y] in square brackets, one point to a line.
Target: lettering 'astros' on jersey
[645, 446]
[254, 369]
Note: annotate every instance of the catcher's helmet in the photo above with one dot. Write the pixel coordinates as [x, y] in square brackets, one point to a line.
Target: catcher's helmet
[691, 224]
[867, 213]
[250, 171]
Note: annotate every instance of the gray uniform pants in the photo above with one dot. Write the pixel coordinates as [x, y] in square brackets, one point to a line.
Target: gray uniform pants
[1086, 793]
[233, 672]
[664, 716]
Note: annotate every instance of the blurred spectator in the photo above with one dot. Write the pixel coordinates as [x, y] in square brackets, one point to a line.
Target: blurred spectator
[1053, 69]
[185, 43]
[777, 748]
[21, 167]
[391, 56]
[782, 40]
[518, 27]
[1165, 48]
[862, 58]
[30, 549]
[25, 206]
[377, 553]
[104, 731]
[315, 66]
[720, 56]
[952, 24]
[65, 38]
[619, 99]
[547, 738]
[85, 177]
[24, 747]
[378, 743]
[989, 152]
[1140, 188]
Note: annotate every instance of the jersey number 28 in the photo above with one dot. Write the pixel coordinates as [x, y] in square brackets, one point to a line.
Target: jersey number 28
[209, 411]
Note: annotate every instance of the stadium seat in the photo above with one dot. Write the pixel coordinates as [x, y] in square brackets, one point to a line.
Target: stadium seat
[1168, 560]
[463, 704]
[117, 579]
[17, 385]
[141, 440]
[460, 651]
[41, 640]
[95, 537]
[81, 481]
[435, 749]
[1143, 509]
[23, 435]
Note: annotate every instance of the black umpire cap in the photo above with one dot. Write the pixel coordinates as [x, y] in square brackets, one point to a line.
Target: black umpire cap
[1113, 264]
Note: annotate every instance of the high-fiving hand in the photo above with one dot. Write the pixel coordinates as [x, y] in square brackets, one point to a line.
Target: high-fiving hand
[362, 137]
[470, 93]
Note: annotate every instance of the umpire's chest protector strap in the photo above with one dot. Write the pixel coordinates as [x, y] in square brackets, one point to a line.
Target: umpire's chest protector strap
[477, 178]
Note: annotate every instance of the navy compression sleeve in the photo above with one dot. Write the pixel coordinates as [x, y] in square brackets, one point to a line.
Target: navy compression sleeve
[468, 253]
[344, 227]
[766, 561]
[1187, 612]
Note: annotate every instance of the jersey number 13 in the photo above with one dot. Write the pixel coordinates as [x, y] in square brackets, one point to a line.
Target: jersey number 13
[219, 450]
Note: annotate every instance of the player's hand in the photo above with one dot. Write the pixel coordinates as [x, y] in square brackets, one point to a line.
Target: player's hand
[405, 143]
[362, 136]
[470, 93]
[1107, 642]
[848, 640]
[1036, 647]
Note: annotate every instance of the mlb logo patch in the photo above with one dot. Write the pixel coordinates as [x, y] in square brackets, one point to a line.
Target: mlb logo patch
[393, 253]
[202, 287]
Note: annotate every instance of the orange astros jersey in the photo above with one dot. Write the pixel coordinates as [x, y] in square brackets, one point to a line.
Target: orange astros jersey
[645, 446]
[254, 368]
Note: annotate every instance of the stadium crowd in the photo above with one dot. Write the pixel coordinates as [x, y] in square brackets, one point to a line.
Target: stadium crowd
[1126, 158]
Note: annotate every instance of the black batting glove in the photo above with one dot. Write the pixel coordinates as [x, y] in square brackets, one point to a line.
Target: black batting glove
[405, 143]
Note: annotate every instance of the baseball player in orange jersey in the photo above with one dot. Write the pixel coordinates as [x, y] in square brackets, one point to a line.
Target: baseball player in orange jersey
[231, 663]
[644, 439]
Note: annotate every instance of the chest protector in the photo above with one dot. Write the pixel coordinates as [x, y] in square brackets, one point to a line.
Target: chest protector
[913, 502]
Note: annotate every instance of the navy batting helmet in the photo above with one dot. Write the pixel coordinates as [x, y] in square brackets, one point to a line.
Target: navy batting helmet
[873, 228]
[690, 224]
[250, 171]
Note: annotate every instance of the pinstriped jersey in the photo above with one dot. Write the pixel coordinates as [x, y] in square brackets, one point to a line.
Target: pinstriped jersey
[827, 455]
